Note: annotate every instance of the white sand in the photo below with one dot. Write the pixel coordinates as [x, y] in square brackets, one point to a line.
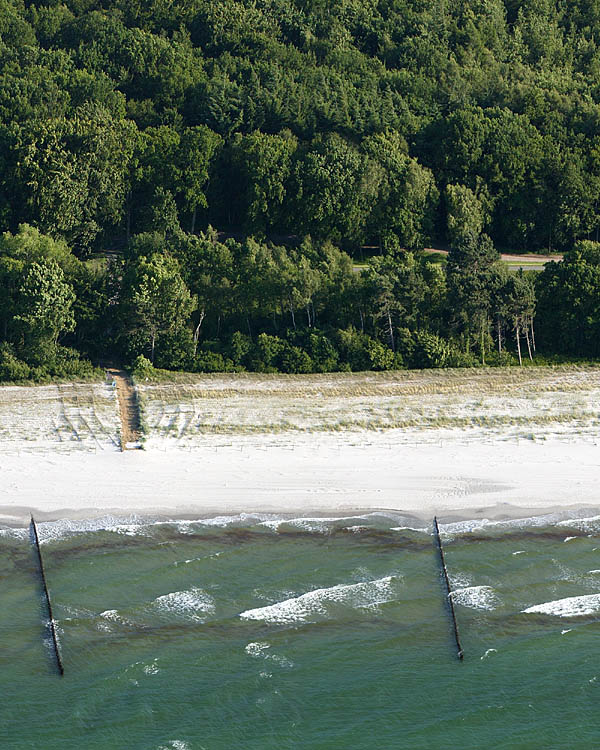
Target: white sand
[330, 475]
[493, 471]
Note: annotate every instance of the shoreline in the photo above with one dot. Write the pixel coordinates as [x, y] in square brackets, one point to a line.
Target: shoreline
[499, 513]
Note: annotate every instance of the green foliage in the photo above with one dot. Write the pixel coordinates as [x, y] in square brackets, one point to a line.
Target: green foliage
[568, 310]
[142, 368]
[289, 125]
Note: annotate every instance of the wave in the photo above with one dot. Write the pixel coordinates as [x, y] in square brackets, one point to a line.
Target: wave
[572, 606]
[260, 650]
[395, 521]
[476, 597]
[193, 604]
[323, 603]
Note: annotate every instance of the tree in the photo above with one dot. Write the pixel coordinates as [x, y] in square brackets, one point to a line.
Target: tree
[335, 190]
[465, 212]
[198, 148]
[43, 309]
[568, 310]
[155, 300]
[470, 286]
[407, 194]
[75, 170]
[262, 165]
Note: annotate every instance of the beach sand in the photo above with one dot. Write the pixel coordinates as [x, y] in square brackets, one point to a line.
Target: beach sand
[488, 469]
[333, 475]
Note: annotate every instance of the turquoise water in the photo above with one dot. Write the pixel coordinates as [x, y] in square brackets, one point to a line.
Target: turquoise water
[236, 633]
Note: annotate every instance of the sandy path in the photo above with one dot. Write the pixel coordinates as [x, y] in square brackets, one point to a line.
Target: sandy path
[128, 409]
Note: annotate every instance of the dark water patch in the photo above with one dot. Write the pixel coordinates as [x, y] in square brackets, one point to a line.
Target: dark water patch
[550, 535]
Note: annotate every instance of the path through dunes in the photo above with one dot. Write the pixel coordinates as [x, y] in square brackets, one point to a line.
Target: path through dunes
[128, 409]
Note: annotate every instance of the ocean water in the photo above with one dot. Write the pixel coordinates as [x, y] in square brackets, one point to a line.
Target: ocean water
[326, 634]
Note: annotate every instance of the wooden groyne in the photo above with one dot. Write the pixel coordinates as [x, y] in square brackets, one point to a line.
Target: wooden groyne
[459, 649]
[51, 623]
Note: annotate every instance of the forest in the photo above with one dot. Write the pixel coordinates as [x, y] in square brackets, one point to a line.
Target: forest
[250, 184]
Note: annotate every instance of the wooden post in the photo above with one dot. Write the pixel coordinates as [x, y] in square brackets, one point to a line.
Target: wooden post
[51, 623]
[459, 649]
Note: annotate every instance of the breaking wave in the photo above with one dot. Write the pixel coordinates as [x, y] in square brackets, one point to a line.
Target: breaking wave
[476, 597]
[193, 604]
[572, 606]
[322, 603]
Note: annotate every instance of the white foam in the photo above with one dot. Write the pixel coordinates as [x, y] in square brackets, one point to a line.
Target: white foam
[568, 538]
[259, 650]
[315, 525]
[572, 606]
[519, 552]
[151, 668]
[476, 597]
[488, 652]
[313, 605]
[193, 604]
[112, 615]
[245, 519]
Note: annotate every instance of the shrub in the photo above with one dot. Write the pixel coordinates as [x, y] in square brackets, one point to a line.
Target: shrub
[295, 360]
[212, 362]
[142, 368]
[265, 353]
[239, 347]
[11, 368]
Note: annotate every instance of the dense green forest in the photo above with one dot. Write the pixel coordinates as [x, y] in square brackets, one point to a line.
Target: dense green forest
[190, 182]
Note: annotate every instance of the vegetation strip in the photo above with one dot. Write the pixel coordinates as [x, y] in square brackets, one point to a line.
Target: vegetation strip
[51, 623]
[459, 648]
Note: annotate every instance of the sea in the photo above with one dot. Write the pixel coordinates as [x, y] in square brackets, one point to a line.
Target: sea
[261, 632]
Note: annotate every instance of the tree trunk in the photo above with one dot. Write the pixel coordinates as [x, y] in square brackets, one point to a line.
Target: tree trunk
[517, 331]
[152, 352]
[308, 314]
[528, 342]
[194, 219]
[292, 313]
[482, 343]
[390, 330]
[362, 320]
[248, 324]
[197, 330]
[532, 335]
[499, 332]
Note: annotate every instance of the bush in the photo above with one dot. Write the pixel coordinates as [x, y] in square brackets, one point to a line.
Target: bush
[213, 362]
[361, 352]
[265, 353]
[323, 353]
[295, 360]
[239, 347]
[142, 368]
[11, 368]
[175, 351]
[431, 351]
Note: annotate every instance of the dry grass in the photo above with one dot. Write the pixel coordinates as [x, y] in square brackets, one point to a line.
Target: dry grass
[65, 417]
[512, 401]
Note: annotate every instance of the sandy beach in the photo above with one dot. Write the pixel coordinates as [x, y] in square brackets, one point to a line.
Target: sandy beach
[468, 446]
[335, 476]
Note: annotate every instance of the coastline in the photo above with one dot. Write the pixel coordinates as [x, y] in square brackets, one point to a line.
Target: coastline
[330, 475]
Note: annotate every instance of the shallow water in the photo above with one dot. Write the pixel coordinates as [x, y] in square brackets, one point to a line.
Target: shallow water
[260, 633]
